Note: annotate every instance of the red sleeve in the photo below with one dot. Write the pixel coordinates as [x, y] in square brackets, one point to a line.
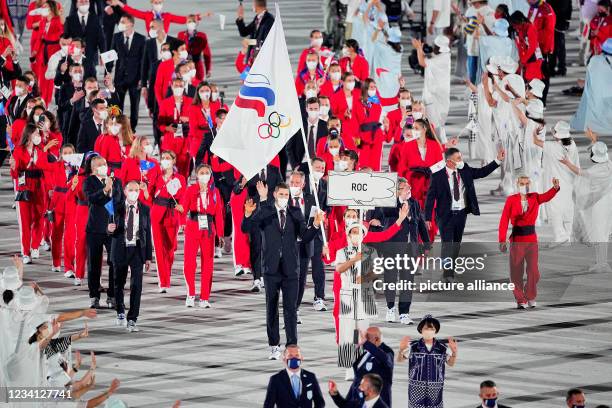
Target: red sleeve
[206, 53]
[504, 221]
[549, 32]
[173, 18]
[302, 61]
[161, 81]
[299, 85]
[532, 39]
[219, 214]
[381, 236]
[30, 20]
[547, 196]
[165, 117]
[239, 63]
[143, 15]
[186, 200]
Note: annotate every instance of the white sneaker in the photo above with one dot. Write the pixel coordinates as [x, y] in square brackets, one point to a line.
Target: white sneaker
[298, 317]
[405, 319]
[35, 254]
[238, 270]
[162, 290]
[248, 271]
[77, 282]
[69, 274]
[190, 301]
[319, 305]
[522, 306]
[349, 375]
[121, 322]
[204, 304]
[44, 246]
[275, 353]
[532, 303]
[600, 267]
[218, 252]
[131, 326]
[27, 260]
[391, 318]
[256, 286]
[56, 269]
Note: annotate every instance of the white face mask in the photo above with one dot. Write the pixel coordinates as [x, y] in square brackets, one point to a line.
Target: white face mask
[158, 7]
[36, 140]
[371, 92]
[282, 202]
[84, 8]
[191, 26]
[205, 95]
[132, 196]
[183, 54]
[335, 76]
[313, 114]
[76, 52]
[36, 118]
[350, 85]
[417, 115]
[148, 149]
[44, 12]
[355, 239]
[19, 90]
[311, 93]
[316, 42]
[77, 77]
[204, 178]
[404, 102]
[152, 33]
[115, 129]
[121, 27]
[345, 52]
[103, 114]
[323, 110]
[523, 189]
[166, 55]
[312, 65]
[318, 175]
[178, 91]
[187, 77]
[295, 191]
[416, 133]
[214, 96]
[428, 334]
[334, 151]
[64, 49]
[192, 72]
[165, 164]
[459, 165]
[342, 165]
[102, 171]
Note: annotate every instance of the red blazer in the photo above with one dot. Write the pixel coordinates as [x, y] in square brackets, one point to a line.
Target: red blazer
[60, 179]
[339, 107]
[327, 89]
[168, 115]
[219, 165]
[157, 189]
[527, 43]
[545, 25]
[17, 129]
[513, 213]
[360, 67]
[130, 170]
[52, 34]
[150, 15]
[23, 162]
[239, 62]
[163, 79]
[215, 205]
[199, 126]
[108, 146]
[395, 130]
[410, 156]
[395, 155]
[302, 60]
[600, 29]
[37, 33]
[199, 49]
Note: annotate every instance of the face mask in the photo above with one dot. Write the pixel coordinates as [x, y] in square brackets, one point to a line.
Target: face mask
[311, 65]
[177, 91]
[36, 140]
[44, 12]
[417, 115]
[103, 114]
[316, 42]
[148, 149]
[335, 76]
[132, 196]
[334, 151]
[342, 165]
[404, 103]
[490, 402]
[191, 26]
[318, 175]
[158, 7]
[323, 110]
[345, 52]
[371, 92]
[19, 91]
[187, 77]
[416, 133]
[355, 239]
[459, 165]
[152, 33]
[77, 77]
[102, 171]
[214, 96]
[36, 118]
[64, 49]
[311, 93]
[282, 202]
[121, 27]
[183, 55]
[28, 111]
[523, 189]
[165, 164]
[294, 363]
[203, 178]
[350, 85]
[295, 191]
[166, 55]
[84, 8]
[205, 95]
[428, 334]
[115, 129]
[76, 52]
[313, 114]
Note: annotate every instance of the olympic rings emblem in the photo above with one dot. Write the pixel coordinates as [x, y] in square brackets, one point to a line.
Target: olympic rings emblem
[276, 122]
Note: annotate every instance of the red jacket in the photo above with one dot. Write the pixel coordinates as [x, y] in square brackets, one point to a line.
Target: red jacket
[395, 130]
[199, 49]
[513, 213]
[199, 126]
[109, 147]
[322, 57]
[339, 108]
[157, 189]
[169, 114]
[600, 29]
[60, 180]
[219, 165]
[304, 76]
[360, 67]
[34, 170]
[191, 202]
[37, 33]
[163, 79]
[49, 43]
[150, 15]
[544, 19]
[527, 43]
[327, 89]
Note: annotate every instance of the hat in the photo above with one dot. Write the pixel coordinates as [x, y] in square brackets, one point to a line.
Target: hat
[35, 320]
[427, 319]
[442, 42]
[607, 46]
[599, 152]
[114, 402]
[10, 279]
[395, 35]
[492, 65]
[508, 65]
[25, 298]
[359, 225]
[516, 82]
[561, 130]
[500, 28]
[537, 87]
[535, 109]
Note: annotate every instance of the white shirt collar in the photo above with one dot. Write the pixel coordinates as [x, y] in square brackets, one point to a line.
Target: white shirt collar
[127, 204]
[280, 209]
[371, 402]
[291, 373]
[83, 15]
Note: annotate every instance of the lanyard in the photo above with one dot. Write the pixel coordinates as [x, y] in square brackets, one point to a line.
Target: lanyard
[201, 207]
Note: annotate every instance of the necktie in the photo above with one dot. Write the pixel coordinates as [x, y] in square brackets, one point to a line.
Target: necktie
[127, 43]
[456, 194]
[258, 21]
[296, 202]
[130, 224]
[262, 175]
[99, 126]
[295, 384]
[283, 219]
[83, 24]
[311, 142]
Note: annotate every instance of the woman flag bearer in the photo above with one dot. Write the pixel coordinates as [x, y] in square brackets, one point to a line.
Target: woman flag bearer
[522, 210]
[167, 191]
[203, 208]
[28, 162]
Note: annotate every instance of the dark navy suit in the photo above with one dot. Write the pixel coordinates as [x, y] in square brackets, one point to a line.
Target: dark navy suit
[280, 392]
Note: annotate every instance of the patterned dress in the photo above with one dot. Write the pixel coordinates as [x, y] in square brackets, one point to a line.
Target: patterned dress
[426, 374]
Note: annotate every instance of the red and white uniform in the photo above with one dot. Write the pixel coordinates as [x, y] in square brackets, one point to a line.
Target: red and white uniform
[523, 247]
[324, 53]
[371, 136]
[350, 116]
[328, 88]
[207, 204]
[170, 112]
[543, 18]
[163, 79]
[600, 29]
[200, 118]
[165, 221]
[51, 31]
[37, 33]
[60, 177]
[150, 15]
[131, 171]
[530, 55]
[112, 149]
[359, 67]
[82, 214]
[199, 49]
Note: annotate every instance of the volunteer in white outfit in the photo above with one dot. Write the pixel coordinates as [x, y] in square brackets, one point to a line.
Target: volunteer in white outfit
[480, 117]
[532, 126]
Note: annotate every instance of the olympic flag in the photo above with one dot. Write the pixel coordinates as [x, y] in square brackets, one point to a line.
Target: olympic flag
[266, 112]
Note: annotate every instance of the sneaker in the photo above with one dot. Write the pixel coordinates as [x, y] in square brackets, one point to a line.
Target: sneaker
[599, 267]
[94, 303]
[110, 302]
[56, 269]
[522, 306]
[121, 322]
[319, 305]
[205, 304]
[69, 274]
[77, 282]
[190, 301]
[248, 271]
[391, 315]
[227, 245]
[275, 353]
[27, 260]
[256, 286]
[349, 375]
[298, 317]
[405, 319]
[44, 246]
[218, 252]
[131, 326]
[532, 304]
[35, 254]
[162, 290]
[238, 270]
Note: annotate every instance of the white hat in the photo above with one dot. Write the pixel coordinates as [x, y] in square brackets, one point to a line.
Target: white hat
[508, 65]
[535, 109]
[516, 82]
[114, 402]
[359, 225]
[561, 130]
[492, 65]
[27, 300]
[35, 320]
[10, 279]
[395, 35]
[537, 87]
[599, 152]
[442, 42]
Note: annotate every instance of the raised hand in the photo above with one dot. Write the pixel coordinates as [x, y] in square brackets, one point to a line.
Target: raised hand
[453, 345]
[501, 154]
[262, 190]
[333, 388]
[555, 182]
[249, 207]
[404, 343]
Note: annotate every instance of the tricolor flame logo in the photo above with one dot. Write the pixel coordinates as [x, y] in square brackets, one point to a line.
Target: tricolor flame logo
[256, 94]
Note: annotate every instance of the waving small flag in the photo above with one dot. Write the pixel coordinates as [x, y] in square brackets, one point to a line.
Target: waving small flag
[74, 160]
[2, 110]
[110, 207]
[173, 186]
[146, 165]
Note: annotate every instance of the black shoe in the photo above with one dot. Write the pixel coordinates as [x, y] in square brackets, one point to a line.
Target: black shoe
[573, 91]
[94, 303]
[110, 302]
